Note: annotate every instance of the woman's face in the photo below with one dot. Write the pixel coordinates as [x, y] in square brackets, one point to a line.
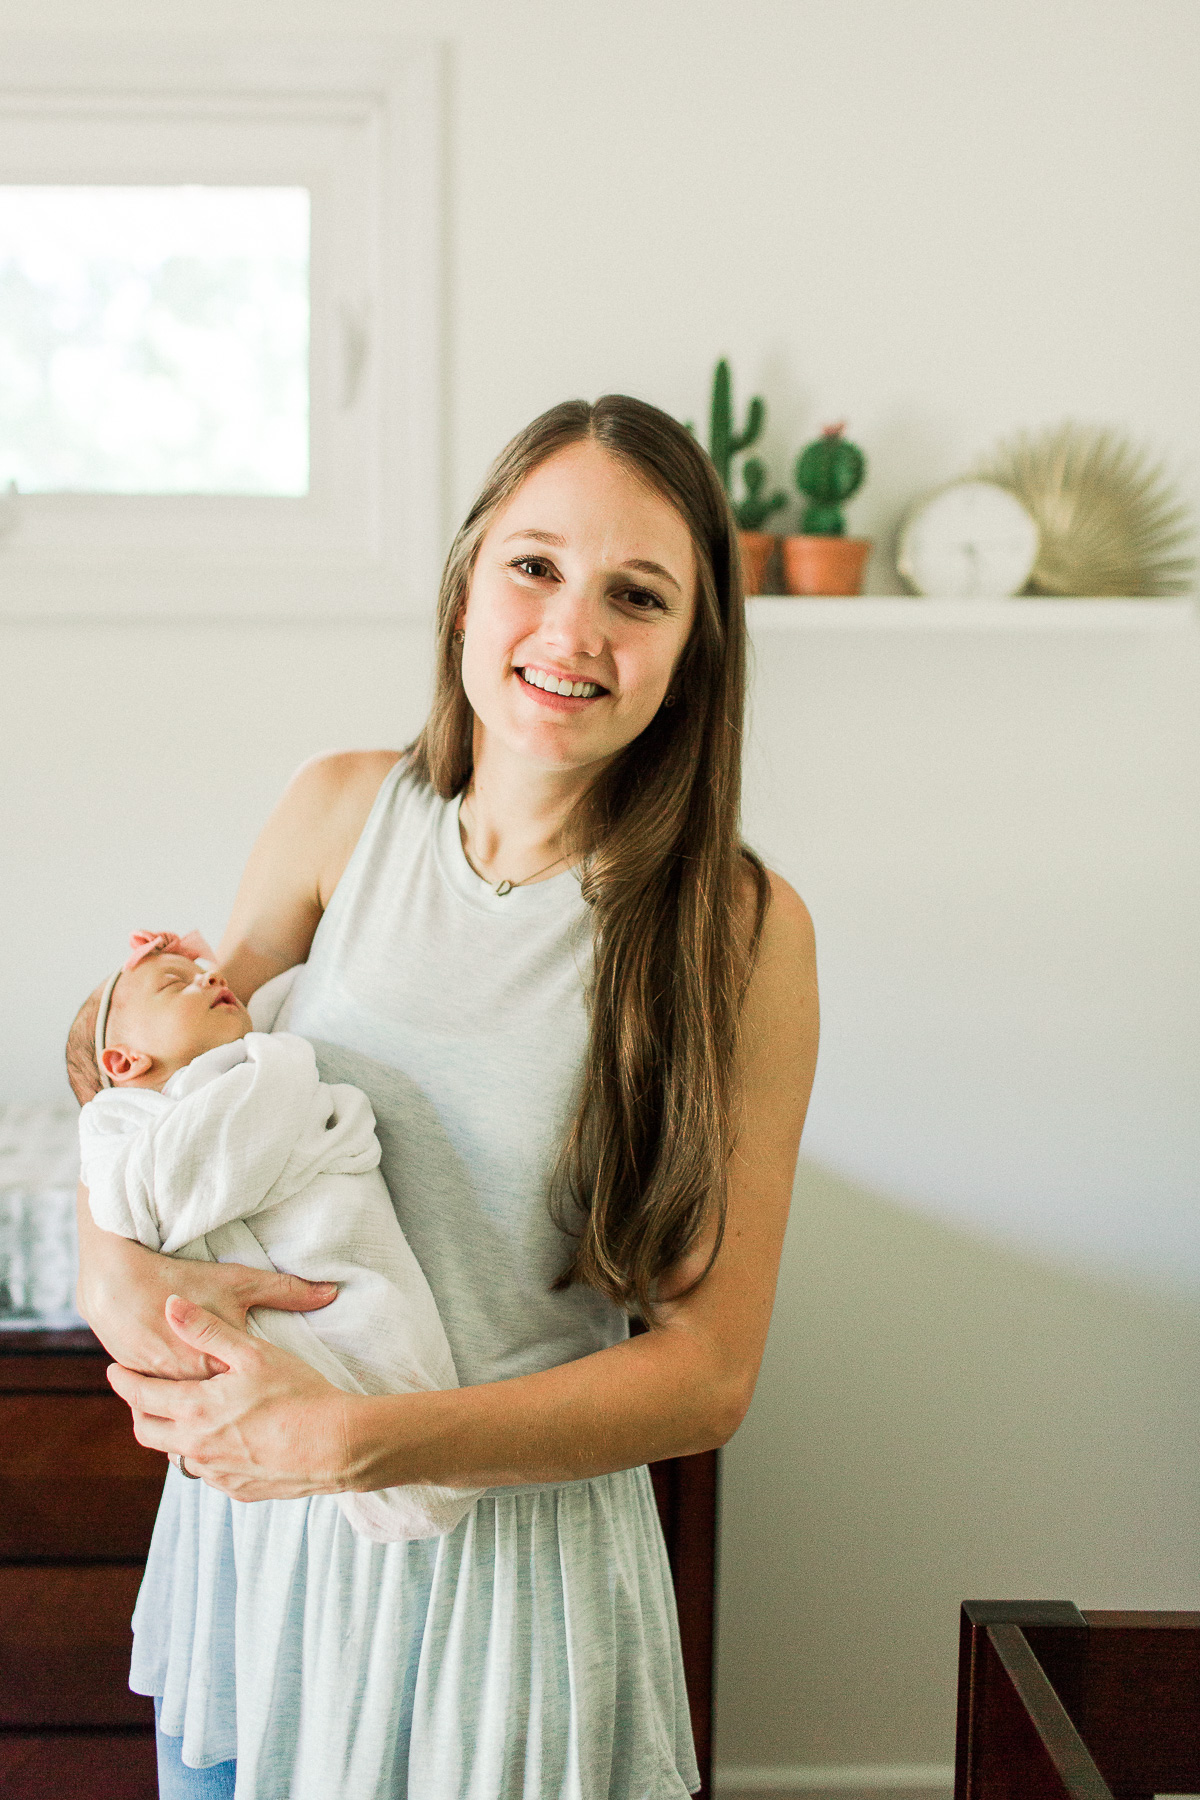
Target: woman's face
[586, 577]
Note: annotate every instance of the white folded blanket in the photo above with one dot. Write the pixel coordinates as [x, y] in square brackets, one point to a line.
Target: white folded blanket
[247, 1156]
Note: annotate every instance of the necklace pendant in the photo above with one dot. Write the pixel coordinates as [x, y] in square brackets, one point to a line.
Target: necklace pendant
[503, 887]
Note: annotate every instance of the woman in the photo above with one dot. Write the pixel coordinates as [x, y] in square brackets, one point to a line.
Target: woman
[586, 1019]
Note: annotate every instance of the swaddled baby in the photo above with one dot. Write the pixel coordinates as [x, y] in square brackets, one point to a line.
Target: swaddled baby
[212, 1140]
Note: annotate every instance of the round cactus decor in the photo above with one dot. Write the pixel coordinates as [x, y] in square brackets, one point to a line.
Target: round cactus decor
[827, 473]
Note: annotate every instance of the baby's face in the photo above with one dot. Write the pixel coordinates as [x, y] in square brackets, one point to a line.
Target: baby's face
[169, 1011]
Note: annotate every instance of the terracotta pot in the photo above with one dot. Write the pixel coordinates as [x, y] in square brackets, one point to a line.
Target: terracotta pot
[824, 565]
[756, 554]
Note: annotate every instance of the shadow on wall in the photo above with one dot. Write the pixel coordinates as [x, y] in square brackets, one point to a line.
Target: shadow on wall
[937, 1418]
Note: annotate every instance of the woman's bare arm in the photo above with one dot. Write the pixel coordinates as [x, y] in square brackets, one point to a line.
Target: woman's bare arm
[296, 864]
[272, 1427]
[123, 1288]
[293, 868]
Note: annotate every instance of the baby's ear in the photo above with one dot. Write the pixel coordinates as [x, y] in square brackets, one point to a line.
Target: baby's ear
[122, 1065]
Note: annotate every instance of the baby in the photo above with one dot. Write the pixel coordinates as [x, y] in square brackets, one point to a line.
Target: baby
[202, 1137]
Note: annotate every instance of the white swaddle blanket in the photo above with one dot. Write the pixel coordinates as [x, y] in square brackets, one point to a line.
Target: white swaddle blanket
[247, 1156]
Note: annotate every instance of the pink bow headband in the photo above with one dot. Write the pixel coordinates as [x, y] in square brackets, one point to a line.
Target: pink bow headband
[143, 944]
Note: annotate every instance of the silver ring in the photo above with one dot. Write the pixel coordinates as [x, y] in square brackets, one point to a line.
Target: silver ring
[176, 1457]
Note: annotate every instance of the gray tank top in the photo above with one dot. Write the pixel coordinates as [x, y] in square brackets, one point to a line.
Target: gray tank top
[462, 1015]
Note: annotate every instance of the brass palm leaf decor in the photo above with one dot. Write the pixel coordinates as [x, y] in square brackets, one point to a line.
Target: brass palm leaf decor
[1110, 521]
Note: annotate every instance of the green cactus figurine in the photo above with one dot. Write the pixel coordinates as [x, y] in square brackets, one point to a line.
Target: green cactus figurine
[828, 472]
[755, 509]
[724, 443]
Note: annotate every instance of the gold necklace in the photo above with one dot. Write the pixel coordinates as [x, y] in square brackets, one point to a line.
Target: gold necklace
[500, 888]
[506, 887]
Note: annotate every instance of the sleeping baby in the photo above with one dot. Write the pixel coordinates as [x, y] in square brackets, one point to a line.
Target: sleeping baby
[212, 1140]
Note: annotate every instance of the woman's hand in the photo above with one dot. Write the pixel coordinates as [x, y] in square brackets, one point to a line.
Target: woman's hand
[123, 1289]
[266, 1427]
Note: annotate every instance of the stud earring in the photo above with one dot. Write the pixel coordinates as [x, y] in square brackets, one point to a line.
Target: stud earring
[670, 700]
[459, 635]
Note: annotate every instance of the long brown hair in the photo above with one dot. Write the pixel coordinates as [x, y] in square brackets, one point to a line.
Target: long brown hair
[644, 1168]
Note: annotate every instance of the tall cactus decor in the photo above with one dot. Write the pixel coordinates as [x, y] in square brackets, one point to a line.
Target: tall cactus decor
[724, 443]
[828, 472]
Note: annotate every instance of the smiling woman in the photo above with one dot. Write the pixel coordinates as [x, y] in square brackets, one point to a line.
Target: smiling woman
[585, 1018]
[643, 797]
[559, 604]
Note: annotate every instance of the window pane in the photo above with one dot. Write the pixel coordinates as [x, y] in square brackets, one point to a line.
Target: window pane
[154, 340]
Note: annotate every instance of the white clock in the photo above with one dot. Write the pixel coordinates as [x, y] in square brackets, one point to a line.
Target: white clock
[972, 540]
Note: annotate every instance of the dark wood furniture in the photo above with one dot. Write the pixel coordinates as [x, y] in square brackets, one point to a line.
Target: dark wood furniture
[1058, 1704]
[686, 1491]
[78, 1497]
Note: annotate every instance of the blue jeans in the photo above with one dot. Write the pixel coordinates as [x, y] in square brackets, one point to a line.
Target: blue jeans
[177, 1782]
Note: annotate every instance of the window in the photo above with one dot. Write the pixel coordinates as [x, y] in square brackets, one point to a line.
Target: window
[154, 340]
[220, 328]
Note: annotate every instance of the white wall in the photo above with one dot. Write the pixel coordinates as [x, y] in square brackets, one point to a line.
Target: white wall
[986, 1347]
[942, 222]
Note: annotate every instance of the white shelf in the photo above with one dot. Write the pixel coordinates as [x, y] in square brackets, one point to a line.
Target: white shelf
[784, 612]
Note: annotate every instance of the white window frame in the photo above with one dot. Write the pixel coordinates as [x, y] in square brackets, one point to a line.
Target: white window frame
[359, 122]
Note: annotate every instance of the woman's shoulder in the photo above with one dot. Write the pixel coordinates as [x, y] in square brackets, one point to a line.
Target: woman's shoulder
[343, 778]
[298, 861]
[793, 921]
[326, 805]
[781, 992]
[781, 1010]
[773, 912]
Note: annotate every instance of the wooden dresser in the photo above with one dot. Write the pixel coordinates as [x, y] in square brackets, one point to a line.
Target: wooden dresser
[78, 1496]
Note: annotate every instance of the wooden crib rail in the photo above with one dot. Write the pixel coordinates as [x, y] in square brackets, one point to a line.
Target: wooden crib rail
[1058, 1704]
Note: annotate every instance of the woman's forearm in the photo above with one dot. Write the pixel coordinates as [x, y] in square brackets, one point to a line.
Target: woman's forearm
[123, 1289]
[664, 1393]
